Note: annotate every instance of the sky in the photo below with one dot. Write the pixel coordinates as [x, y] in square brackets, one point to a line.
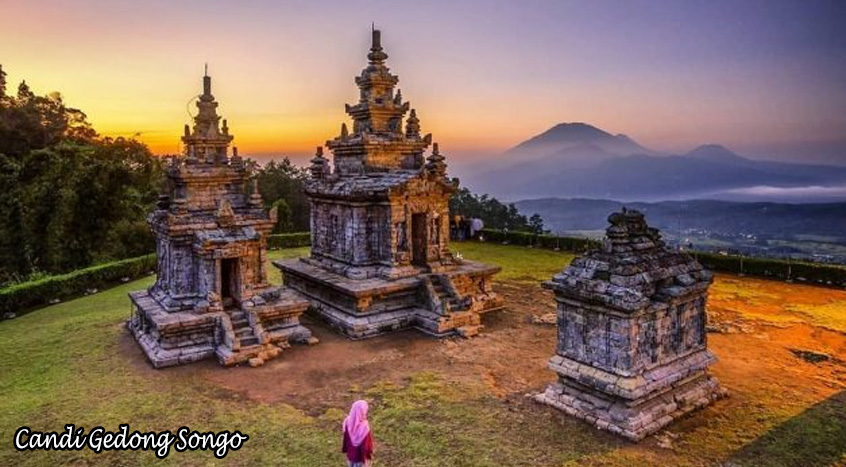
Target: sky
[765, 78]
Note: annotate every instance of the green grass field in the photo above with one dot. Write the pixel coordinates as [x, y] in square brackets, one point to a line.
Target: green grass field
[65, 364]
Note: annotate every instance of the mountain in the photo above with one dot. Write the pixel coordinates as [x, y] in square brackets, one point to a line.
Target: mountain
[574, 144]
[580, 160]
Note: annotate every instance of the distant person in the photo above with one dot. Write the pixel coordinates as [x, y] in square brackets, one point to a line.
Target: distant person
[358, 443]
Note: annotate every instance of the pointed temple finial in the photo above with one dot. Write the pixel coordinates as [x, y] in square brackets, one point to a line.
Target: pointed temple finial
[206, 140]
[376, 55]
[319, 165]
[435, 164]
[412, 125]
[206, 83]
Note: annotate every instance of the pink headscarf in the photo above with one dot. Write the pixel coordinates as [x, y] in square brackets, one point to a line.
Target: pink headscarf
[356, 423]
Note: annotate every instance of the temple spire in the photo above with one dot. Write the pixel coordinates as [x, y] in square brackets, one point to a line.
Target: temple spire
[376, 55]
[206, 82]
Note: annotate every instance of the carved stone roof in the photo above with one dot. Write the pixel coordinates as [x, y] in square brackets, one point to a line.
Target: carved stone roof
[379, 184]
[633, 270]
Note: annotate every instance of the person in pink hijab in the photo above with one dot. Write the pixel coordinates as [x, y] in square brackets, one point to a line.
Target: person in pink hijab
[358, 443]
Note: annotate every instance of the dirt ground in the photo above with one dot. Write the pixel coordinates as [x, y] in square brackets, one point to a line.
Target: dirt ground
[509, 357]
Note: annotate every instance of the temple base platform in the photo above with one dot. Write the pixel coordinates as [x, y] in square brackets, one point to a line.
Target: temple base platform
[256, 331]
[636, 406]
[443, 303]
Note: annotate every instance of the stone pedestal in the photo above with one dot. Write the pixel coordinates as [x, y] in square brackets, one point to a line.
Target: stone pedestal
[632, 350]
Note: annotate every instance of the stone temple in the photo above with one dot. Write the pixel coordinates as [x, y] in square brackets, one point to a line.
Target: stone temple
[211, 296]
[380, 258]
[632, 353]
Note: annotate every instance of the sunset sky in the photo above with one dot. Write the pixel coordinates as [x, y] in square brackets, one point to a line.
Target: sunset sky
[758, 76]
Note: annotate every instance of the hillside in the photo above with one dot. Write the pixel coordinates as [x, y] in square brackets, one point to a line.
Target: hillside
[806, 231]
[580, 160]
[769, 219]
[452, 402]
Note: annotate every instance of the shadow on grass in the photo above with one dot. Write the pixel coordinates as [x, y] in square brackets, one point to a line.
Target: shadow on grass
[814, 438]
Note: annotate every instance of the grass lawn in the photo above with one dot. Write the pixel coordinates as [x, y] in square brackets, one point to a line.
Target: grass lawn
[70, 363]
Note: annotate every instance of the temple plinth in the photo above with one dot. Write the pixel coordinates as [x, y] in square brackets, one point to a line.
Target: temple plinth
[632, 352]
[211, 296]
[380, 258]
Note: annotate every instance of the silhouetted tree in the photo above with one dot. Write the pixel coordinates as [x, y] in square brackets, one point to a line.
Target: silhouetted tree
[70, 197]
[282, 180]
[493, 213]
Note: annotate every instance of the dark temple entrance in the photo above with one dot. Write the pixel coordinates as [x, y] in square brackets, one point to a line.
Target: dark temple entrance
[228, 281]
[418, 239]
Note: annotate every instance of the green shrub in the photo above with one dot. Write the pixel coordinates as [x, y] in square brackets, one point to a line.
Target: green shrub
[22, 297]
[575, 244]
[828, 274]
[288, 240]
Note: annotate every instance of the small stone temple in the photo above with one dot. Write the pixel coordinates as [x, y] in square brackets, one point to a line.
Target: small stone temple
[211, 296]
[632, 351]
[380, 258]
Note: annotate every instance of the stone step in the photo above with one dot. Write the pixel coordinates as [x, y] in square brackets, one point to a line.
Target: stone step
[244, 332]
[240, 323]
[248, 341]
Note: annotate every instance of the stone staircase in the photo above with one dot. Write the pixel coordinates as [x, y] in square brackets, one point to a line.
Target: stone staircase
[250, 349]
[446, 297]
[244, 333]
[450, 312]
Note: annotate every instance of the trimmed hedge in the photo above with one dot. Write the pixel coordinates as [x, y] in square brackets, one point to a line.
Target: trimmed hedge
[819, 273]
[288, 240]
[576, 244]
[21, 297]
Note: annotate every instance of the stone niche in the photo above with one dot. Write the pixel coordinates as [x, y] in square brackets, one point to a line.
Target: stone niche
[380, 258]
[632, 351]
[211, 297]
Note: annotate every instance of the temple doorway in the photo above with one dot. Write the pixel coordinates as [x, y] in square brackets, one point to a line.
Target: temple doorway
[418, 239]
[228, 281]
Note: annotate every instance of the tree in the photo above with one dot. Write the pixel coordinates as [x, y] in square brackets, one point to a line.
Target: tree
[284, 218]
[493, 213]
[70, 197]
[282, 180]
[536, 224]
[2, 83]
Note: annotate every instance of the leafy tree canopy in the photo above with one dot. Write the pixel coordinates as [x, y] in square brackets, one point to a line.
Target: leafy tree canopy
[494, 214]
[70, 196]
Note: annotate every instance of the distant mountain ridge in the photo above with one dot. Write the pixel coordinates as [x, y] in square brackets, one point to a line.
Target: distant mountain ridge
[579, 160]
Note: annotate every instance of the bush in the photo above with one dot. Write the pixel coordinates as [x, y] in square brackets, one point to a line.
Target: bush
[575, 244]
[27, 295]
[289, 240]
[827, 274]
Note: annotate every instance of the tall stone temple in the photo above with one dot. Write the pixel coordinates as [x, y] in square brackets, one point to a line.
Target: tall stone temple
[211, 296]
[380, 258]
[632, 351]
